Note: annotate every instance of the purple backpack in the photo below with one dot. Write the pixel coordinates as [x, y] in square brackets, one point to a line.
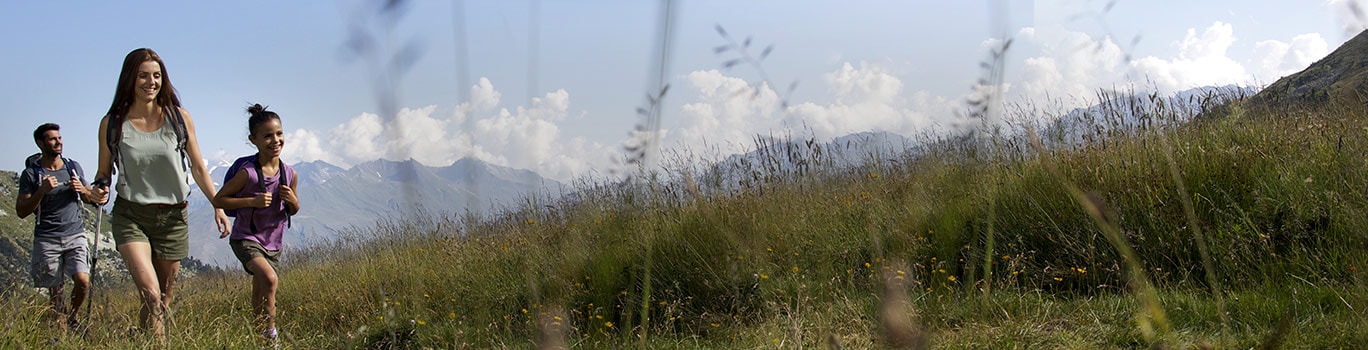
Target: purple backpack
[286, 174]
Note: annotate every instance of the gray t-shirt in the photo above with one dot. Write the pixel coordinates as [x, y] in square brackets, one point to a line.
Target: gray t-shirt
[59, 214]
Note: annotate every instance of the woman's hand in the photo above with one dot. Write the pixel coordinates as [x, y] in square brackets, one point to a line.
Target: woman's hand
[99, 194]
[221, 219]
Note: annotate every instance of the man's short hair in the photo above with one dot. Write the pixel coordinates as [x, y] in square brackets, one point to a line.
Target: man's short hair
[43, 129]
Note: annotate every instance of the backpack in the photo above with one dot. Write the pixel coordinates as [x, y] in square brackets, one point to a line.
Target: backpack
[286, 174]
[114, 135]
[35, 162]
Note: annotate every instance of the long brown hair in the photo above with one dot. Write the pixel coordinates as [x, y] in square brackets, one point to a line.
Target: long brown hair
[123, 93]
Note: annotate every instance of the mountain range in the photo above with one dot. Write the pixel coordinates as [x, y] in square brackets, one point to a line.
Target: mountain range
[335, 200]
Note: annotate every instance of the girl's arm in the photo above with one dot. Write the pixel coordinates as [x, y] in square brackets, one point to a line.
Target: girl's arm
[224, 198]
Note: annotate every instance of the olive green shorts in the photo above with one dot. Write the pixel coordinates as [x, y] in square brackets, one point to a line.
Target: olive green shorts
[163, 227]
[246, 250]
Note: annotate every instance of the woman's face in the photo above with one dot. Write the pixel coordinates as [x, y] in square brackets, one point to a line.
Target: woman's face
[269, 138]
[149, 81]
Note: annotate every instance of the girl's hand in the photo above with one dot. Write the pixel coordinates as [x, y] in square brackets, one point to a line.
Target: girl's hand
[289, 195]
[262, 200]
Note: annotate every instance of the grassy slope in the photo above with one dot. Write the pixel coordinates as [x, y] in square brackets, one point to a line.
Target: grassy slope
[842, 256]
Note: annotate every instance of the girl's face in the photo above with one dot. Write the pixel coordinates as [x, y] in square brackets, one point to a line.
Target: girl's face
[269, 138]
[149, 81]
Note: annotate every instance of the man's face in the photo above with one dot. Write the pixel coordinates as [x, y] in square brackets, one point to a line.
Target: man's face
[51, 143]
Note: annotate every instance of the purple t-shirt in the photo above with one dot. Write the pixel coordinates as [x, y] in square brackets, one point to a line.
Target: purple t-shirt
[269, 222]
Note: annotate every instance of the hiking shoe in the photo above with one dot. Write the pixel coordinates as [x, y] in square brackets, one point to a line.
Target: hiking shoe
[76, 327]
[272, 338]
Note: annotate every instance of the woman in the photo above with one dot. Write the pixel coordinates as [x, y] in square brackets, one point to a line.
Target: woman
[149, 139]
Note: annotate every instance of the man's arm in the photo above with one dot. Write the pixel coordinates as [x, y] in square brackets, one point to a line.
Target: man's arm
[30, 194]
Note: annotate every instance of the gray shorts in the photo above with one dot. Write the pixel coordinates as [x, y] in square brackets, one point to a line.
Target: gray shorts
[54, 258]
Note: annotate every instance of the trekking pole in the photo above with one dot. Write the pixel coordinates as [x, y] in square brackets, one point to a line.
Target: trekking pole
[94, 252]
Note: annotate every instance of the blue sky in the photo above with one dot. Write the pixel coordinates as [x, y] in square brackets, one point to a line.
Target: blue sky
[564, 103]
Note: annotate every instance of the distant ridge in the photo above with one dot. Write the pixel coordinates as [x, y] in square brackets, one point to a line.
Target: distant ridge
[337, 199]
[1341, 76]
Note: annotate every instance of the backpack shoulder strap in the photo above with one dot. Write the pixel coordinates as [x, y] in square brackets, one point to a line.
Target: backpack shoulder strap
[75, 176]
[286, 174]
[71, 167]
[182, 137]
[261, 177]
[178, 125]
[113, 136]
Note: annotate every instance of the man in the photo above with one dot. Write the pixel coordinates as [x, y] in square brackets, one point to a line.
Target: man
[49, 186]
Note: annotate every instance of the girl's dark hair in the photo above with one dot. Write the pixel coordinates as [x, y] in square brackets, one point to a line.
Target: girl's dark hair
[258, 115]
[128, 77]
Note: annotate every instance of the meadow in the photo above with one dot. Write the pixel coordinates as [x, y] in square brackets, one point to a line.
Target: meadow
[1219, 223]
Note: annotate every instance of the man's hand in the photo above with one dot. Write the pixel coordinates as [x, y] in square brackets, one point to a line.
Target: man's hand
[77, 186]
[47, 184]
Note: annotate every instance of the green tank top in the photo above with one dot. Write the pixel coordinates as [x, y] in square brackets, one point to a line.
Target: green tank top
[151, 172]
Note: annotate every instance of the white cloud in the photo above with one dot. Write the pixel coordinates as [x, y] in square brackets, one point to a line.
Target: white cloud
[483, 96]
[727, 112]
[1073, 66]
[869, 98]
[1201, 61]
[525, 138]
[304, 146]
[1070, 65]
[1273, 59]
[357, 139]
[1353, 14]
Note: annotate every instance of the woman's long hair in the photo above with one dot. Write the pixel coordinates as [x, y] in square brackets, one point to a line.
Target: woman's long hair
[128, 77]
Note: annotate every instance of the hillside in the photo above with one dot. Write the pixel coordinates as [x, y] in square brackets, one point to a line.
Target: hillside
[15, 234]
[1342, 77]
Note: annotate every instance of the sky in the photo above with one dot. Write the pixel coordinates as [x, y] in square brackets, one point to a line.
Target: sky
[554, 86]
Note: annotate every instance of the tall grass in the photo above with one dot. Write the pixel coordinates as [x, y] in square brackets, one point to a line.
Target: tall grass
[757, 254]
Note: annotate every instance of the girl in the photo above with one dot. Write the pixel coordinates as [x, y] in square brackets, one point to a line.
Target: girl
[262, 191]
[150, 140]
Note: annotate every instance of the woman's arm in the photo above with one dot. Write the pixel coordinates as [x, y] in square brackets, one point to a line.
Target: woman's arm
[104, 168]
[199, 172]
